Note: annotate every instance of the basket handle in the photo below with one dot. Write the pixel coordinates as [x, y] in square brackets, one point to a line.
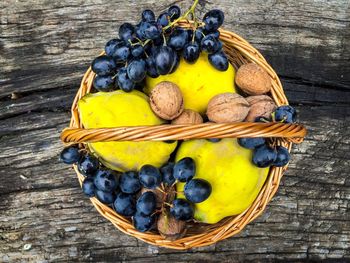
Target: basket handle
[291, 132]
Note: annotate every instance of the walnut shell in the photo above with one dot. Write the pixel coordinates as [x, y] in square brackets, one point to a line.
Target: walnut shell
[188, 117]
[166, 100]
[169, 227]
[227, 107]
[260, 105]
[253, 80]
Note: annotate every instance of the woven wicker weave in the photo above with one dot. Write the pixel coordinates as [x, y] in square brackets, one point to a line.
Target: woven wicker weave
[239, 52]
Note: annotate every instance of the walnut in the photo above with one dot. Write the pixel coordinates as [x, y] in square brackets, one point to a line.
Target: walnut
[169, 227]
[260, 106]
[166, 100]
[188, 117]
[253, 80]
[227, 107]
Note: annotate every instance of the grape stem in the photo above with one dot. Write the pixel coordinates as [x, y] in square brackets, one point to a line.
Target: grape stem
[189, 11]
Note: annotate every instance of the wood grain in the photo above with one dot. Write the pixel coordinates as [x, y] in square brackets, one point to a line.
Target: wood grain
[45, 47]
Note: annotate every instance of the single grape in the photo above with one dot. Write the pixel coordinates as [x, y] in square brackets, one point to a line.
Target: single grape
[174, 12]
[148, 16]
[105, 197]
[213, 20]
[124, 204]
[104, 83]
[197, 190]
[124, 82]
[137, 50]
[150, 30]
[129, 183]
[219, 60]
[121, 53]
[191, 52]
[264, 156]
[147, 203]
[151, 67]
[89, 187]
[126, 31]
[106, 180]
[88, 165]
[137, 70]
[150, 176]
[251, 143]
[70, 155]
[163, 19]
[178, 39]
[209, 44]
[167, 173]
[185, 169]
[139, 32]
[215, 34]
[181, 209]
[283, 156]
[199, 34]
[164, 59]
[142, 222]
[103, 65]
[176, 63]
[285, 114]
[111, 45]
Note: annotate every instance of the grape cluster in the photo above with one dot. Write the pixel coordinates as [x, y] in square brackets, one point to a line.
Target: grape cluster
[154, 46]
[265, 155]
[122, 190]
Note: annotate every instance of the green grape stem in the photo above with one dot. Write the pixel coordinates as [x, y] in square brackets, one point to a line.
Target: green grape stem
[189, 11]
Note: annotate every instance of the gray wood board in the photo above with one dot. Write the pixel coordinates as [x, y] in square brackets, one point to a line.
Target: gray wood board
[45, 48]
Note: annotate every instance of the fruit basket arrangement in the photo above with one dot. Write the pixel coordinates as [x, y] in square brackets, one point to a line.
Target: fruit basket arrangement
[180, 130]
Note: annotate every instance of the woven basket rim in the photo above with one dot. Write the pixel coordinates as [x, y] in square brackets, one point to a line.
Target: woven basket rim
[228, 226]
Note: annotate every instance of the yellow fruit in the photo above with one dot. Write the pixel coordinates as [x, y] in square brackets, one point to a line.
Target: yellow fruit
[198, 82]
[115, 109]
[228, 168]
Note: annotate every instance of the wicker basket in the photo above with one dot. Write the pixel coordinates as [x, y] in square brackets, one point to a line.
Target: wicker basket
[239, 52]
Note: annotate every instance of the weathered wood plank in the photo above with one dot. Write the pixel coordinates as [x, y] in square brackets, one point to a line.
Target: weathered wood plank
[47, 45]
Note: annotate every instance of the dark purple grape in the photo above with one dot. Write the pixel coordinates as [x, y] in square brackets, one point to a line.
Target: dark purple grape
[106, 179]
[150, 30]
[111, 45]
[142, 222]
[174, 12]
[88, 165]
[209, 44]
[129, 182]
[283, 156]
[215, 34]
[104, 83]
[121, 54]
[285, 114]
[178, 39]
[139, 32]
[147, 203]
[185, 169]
[150, 177]
[70, 155]
[126, 31]
[137, 50]
[197, 190]
[89, 187]
[148, 16]
[199, 34]
[191, 52]
[163, 19]
[176, 63]
[219, 61]
[182, 209]
[105, 197]
[264, 156]
[103, 65]
[167, 174]
[124, 204]
[151, 67]
[165, 60]
[213, 20]
[251, 143]
[137, 70]
[124, 82]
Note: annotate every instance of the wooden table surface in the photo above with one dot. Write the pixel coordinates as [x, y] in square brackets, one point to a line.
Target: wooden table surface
[45, 47]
